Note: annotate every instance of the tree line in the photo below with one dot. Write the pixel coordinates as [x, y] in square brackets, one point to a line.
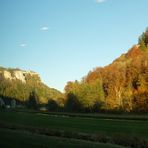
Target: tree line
[120, 86]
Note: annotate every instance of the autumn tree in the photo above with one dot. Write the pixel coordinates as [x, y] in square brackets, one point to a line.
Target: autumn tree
[121, 85]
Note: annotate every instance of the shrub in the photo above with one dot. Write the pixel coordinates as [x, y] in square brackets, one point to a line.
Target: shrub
[134, 142]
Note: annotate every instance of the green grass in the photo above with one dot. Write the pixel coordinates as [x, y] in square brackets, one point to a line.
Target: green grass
[17, 139]
[122, 116]
[108, 127]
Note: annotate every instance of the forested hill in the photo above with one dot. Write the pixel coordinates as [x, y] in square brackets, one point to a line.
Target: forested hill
[19, 84]
[122, 85]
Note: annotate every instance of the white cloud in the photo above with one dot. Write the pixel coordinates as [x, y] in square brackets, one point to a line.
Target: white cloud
[44, 28]
[23, 45]
[100, 1]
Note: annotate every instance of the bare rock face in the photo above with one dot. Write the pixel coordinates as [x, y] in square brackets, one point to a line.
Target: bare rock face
[7, 75]
[20, 76]
[17, 74]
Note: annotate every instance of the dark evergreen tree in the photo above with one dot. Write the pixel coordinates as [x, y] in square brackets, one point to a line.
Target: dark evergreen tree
[33, 101]
[72, 103]
[52, 105]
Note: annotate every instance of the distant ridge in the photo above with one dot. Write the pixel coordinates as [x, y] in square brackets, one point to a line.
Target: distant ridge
[18, 84]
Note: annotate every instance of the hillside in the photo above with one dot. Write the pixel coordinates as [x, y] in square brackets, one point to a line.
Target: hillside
[122, 85]
[119, 86]
[19, 84]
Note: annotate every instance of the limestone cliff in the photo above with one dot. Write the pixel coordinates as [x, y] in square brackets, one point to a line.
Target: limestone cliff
[18, 84]
[16, 74]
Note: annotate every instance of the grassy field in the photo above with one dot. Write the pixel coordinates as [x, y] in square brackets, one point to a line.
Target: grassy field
[79, 124]
[82, 125]
[17, 139]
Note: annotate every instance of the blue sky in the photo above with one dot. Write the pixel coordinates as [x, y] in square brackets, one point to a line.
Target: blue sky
[63, 40]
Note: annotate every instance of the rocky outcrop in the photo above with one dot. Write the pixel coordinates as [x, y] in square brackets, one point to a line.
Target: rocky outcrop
[20, 84]
[17, 74]
[7, 74]
[20, 76]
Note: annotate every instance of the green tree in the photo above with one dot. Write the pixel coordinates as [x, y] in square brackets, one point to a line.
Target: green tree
[91, 94]
[143, 40]
[33, 100]
[52, 105]
[72, 104]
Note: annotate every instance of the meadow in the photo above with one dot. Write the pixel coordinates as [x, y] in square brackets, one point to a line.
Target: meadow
[19, 139]
[52, 130]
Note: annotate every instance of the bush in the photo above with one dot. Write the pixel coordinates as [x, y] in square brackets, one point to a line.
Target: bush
[134, 142]
[52, 105]
[101, 138]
